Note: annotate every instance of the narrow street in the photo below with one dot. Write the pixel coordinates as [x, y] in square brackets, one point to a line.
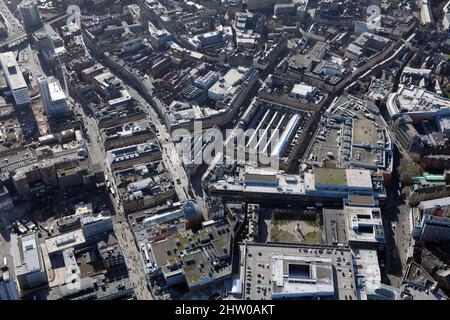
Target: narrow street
[132, 258]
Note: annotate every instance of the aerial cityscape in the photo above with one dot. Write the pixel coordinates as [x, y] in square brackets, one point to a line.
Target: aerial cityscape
[224, 150]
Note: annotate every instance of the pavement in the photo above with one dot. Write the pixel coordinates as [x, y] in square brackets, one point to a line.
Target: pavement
[396, 229]
[133, 258]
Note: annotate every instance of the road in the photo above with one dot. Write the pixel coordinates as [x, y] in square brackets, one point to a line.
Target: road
[75, 16]
[133, 259]
[170, 155]
[4, 239]
[396, 229]
[122, 229]
[15, 29]
[11, 22]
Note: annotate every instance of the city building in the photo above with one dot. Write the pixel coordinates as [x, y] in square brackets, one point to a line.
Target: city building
[28, 261]
[3, 30]
[29, 12]
[263, 4]
[125, 157]
[435, 228]
[8, 287]
[6, 202]
[302, 91]
[144, 185]
[271, 131]
[322, 185]
[197, 259]
[14, 78]
[53, 97]
[127, 134]
[283, 271]
[93, 225]
[226, 85]
[361, 134]
[364, 227]
[419, 285]
[110, 253]
[358, 224]
[418, 103]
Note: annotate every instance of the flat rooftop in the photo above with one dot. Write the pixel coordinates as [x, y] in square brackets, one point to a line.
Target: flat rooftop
[351, 134]
[12, 71]
[334, 226]
[342, 177]
[56, 92]
[26, 253]
[271, 271]
[415, 100]
[65, 241]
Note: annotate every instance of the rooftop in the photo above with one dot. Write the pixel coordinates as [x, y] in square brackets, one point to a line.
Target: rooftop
[64, 241]
[417, 101]
[26, 254]
[351, 134]
[13, 73]
[272, 271]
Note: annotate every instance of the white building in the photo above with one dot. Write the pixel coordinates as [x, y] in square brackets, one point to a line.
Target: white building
[364, 226]
[433, 206]
[53, 97]
[417, 102]
[14, 78]
[93, 225]
[302, 91]
[28, 261]
[446, 21]
[297, 276]
[227, 84]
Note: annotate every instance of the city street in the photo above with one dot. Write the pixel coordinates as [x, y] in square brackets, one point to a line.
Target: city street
[132, 258]
[170, 156]
[396, 229]
[13, 25]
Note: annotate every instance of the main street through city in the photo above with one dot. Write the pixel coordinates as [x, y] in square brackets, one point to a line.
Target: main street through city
[122, 229]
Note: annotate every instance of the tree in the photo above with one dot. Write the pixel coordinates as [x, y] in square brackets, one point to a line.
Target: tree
[408, 169]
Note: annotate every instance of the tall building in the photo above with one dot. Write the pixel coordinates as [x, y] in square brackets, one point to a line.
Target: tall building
[30, 14]
[95, 225]
[6, 202]
[14, 78]
[3, 30]
[53, 97]
[435, 229]
[28, 261]
[8, 288]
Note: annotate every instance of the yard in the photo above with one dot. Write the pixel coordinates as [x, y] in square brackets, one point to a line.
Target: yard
[295, 226]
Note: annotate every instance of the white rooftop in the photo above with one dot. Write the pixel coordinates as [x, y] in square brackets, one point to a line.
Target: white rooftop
[302, 90]
[435, 203]
[26, 253]
[65, 241]
[226, 83]
[316, 281]
[416, 100]
[56, 92]
[12, 71]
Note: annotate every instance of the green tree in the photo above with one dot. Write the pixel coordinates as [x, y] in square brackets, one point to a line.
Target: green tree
[408, 169]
